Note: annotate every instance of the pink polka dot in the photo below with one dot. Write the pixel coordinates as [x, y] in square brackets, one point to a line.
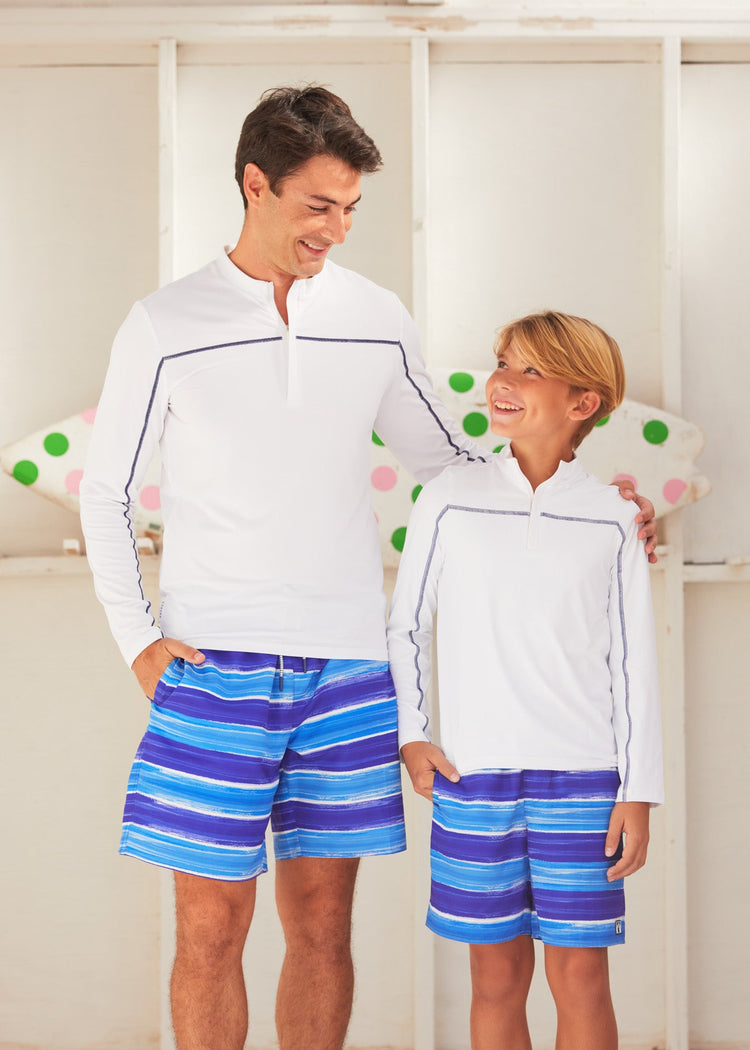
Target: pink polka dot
[673, 489]
[73, 482]
[383, 478]
[150, 497]
[626, 477]
[89, 415]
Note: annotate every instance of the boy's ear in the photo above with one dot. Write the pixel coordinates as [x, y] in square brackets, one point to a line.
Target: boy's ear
[585, 403]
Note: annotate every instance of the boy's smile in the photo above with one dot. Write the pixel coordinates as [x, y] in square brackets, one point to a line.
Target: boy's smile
[525, 404]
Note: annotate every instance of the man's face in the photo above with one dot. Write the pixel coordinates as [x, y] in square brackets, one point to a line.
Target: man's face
[313, 211]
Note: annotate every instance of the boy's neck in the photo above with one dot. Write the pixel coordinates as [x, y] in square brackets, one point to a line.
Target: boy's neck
[539, 461]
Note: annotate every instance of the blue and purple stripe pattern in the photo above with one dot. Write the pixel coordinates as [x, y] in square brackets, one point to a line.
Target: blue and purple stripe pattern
[312, 744]
[521, 852]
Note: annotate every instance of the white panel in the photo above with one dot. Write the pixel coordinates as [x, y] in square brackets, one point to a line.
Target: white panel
[718, 728]
[78, 215]
[546, 193]
[80, 923]
[212, 104]
[715, 265]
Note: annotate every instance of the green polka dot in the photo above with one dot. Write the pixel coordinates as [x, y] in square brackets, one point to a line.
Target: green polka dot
[656, 432]
[461, 382]
[376, 440]
[26, 472]
[56, 444]
[499, 448]
[475, 424]
[415, 492]
[602, 421]
[398, 538]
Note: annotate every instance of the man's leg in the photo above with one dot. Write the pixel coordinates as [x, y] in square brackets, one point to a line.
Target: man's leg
[314, 898]
[579, 982]
[500, 980]
[209, 1003]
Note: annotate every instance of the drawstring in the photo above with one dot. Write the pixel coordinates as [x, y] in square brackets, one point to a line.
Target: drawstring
[281, 671]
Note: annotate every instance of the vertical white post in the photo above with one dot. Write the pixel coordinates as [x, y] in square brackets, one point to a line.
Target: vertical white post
[167, 114]
[420, 102]
[424, 944]
[676, 862]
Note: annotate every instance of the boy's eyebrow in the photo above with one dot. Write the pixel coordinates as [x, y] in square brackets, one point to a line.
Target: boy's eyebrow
[329, 200]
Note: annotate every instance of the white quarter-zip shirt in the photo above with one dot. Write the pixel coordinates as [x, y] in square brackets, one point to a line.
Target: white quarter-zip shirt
[545, 635]
[264, 430]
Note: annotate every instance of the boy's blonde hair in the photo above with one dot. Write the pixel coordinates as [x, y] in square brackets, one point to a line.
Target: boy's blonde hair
[572, 349]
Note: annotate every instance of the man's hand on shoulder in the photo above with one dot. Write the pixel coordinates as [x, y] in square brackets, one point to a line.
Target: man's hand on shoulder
[421, 760]
[645, 518]
[151, 663]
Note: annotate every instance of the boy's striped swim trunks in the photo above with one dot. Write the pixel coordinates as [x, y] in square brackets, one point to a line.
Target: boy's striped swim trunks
[521, 852]
[310, 743]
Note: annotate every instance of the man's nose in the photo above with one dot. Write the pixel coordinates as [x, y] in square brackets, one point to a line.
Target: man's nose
[338, 226]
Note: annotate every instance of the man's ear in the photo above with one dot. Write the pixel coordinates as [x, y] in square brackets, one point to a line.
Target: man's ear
[254, 182]
[585, 403]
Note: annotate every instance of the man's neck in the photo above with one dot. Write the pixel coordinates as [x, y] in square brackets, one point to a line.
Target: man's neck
[245, 259]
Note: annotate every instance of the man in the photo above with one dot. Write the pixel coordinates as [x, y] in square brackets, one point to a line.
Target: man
[261, 378]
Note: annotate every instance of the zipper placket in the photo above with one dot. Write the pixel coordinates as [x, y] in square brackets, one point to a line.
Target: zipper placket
[532, 532]
[293, 386]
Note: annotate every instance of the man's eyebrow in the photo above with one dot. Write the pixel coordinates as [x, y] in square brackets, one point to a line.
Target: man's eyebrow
[329, 200]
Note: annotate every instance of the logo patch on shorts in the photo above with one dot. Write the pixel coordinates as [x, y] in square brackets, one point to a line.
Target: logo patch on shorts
[618, 926]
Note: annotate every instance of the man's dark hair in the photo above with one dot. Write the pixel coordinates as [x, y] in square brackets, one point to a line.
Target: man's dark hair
[289, 126]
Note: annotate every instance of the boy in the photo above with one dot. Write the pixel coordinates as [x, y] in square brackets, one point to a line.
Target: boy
[549, 707]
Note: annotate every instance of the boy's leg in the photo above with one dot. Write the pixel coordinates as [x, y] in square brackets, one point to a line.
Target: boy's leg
[500, 980]
[579, 981]
[314, 1001]
[209, 1004]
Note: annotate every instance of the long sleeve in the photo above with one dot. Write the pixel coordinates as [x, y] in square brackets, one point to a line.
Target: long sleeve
[633, 669]
[410, 625]
[413, 422]
[127, 428]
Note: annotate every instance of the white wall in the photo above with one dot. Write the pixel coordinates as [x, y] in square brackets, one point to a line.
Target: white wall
[78, 198]
[546, 188]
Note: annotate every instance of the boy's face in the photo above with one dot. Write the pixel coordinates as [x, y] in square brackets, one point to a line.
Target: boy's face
[524, 404]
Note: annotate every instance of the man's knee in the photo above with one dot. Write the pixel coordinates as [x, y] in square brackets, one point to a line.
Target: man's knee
[314, 900]
[213, 919]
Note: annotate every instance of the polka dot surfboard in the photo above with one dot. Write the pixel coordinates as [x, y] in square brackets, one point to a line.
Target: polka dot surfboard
[654, 449]
[50, 462]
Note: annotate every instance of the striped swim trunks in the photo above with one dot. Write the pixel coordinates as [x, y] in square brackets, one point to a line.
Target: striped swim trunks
[242, 737]
[521, 852]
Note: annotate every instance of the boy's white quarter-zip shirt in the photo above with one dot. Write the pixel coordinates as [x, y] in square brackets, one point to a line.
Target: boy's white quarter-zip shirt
[545, 634]
[264, 430]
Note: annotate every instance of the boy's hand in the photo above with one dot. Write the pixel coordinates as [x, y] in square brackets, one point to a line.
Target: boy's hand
[421, 760]
[646, 517]
[631, 820]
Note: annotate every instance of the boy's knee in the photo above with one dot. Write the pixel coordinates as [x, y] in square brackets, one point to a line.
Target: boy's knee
[577, 973]
[502, 972]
